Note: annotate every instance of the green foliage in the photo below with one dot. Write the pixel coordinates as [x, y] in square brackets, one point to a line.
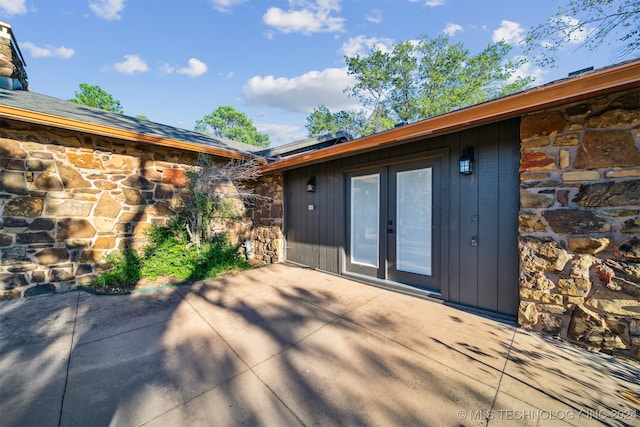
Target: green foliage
[418, 80]
[169, 253]
[185, 247]
[123, 270]
[322, 121]
[588, 23]
[227, 122]
[95, 96]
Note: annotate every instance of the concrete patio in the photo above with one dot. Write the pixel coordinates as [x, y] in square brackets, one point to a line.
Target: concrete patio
[283, 345]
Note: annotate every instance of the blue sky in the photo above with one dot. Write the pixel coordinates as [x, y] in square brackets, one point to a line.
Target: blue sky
[175, 61]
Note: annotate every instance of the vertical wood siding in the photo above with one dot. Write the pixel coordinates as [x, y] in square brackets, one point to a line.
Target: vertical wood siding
[484, 205]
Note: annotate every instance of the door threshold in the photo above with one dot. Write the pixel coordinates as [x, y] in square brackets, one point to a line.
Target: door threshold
[395, 286]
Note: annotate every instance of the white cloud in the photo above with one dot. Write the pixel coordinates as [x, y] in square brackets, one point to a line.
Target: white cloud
[225, 5]
[107, 9]
[313, 17]
[565, 23]
[302, 93]
[525, 70]
[132, 64]
[48, 51]
[13, 7]
[282, 134]
[166, 68]
[195, 68]
[509, 31]
[434, 3]
[375, 16]
[451, 29]
[361, 45]
[227, 76]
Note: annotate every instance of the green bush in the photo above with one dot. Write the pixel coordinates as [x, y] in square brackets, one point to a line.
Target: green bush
[168, 253]
[123, 269]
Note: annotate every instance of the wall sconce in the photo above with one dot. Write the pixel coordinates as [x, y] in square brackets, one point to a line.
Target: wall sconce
[466, 161]
[311, 184]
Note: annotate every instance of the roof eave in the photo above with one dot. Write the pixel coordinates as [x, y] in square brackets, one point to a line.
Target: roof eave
[39, 118]
[569, 90]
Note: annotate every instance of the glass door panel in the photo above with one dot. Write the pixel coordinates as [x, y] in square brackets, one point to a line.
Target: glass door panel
[414, 221]
[365, 220]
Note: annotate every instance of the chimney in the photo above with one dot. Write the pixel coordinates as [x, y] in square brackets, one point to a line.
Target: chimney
[12, 73]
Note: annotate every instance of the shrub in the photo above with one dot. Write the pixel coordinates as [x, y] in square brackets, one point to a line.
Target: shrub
[169, 253]
[123, 270]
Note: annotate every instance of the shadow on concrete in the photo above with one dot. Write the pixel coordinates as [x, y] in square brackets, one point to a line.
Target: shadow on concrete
[280, 346]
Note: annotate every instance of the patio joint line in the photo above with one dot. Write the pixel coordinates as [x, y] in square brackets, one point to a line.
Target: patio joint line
[336, 318]
[124, 332]
[249, 368]
[194, 397]
[374, 332]
[504, 368]
[66, 377]
[578, 409]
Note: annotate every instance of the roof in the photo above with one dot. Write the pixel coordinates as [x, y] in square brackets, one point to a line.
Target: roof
[304, 146]
[40, 109]
[572, 89]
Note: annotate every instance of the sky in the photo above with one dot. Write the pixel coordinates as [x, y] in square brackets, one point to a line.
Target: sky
[175, 61]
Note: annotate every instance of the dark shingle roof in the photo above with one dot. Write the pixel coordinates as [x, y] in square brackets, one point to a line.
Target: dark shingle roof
[44, 104]
[305, 145]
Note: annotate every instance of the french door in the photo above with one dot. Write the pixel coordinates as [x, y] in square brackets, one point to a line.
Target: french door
[393, 223]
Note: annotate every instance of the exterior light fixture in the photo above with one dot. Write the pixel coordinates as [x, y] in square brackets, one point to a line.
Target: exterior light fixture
[311, 184]
[466, 161]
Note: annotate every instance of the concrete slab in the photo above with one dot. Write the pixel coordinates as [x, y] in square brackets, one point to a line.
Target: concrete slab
[462, 341]
[101, 316]
[334, 294]
[132, 377]
[283, 345]
[243, 400]
[346, 375]
[262, 326]
[559, 376]
[509, 410]
[35, 340]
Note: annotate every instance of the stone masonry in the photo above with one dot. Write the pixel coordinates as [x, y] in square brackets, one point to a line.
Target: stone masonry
[579, 223]
[267, 235]
[67, 199]
[12, 72]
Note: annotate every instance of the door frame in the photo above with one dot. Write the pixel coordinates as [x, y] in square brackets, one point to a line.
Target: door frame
[432, 281]
[440, 155]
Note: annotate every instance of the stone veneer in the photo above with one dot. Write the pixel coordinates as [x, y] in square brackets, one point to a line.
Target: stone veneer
[12, 72]
[67, 199]
[267, 217]
[579, 222]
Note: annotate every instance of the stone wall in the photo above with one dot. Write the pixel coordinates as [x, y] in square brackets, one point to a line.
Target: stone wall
[267, 237]
[579, 222]
[67, 199]
[262, 222]
[12, 72]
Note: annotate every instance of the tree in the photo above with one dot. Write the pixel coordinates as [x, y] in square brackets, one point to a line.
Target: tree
[227, 122]
[588, 23]
[95, 96]
[418, 80]
[218, 192]
[322, 121]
